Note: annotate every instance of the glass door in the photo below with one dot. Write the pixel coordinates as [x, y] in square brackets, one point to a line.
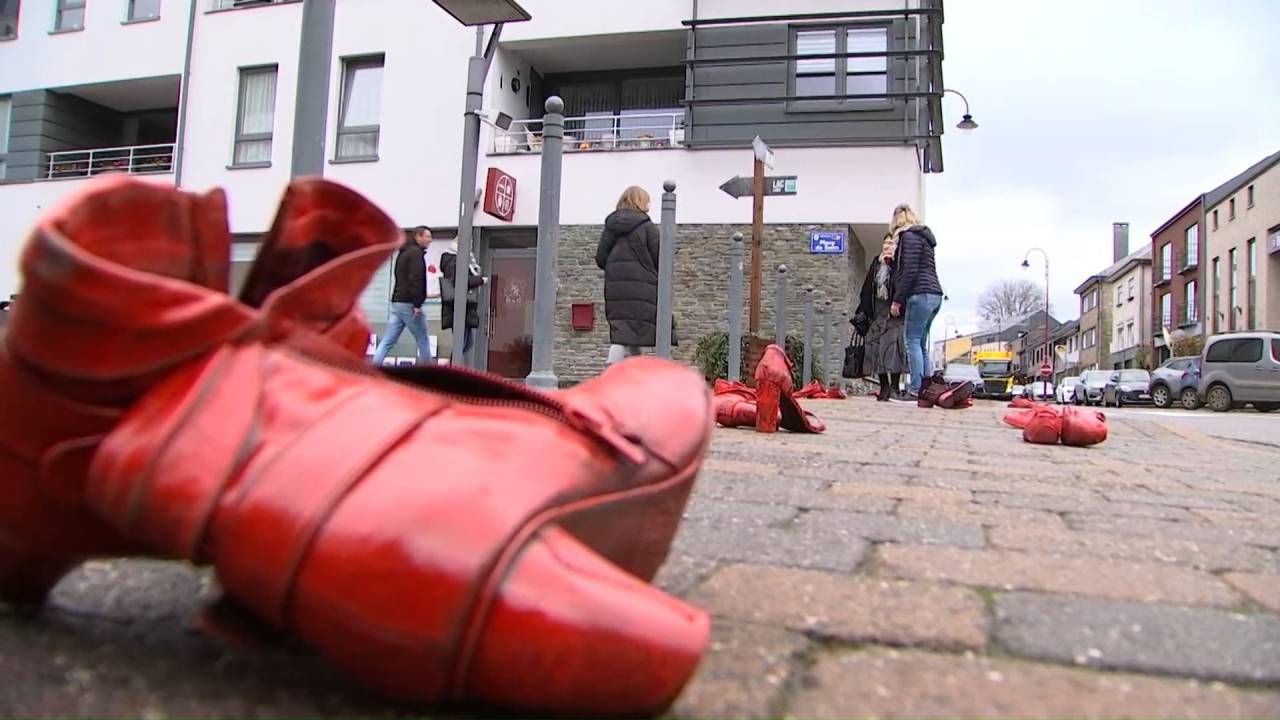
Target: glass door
[508, 345]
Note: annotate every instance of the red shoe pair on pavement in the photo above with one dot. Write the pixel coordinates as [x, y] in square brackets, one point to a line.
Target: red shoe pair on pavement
[950, 396]
[443, 535]
[770, 404]
[1047, 425]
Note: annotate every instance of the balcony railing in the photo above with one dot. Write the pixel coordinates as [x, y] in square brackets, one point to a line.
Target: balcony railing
[231, 4]
[638, 131]
[137, 160]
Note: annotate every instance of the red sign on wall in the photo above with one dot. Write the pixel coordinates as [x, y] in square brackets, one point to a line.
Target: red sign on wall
[500, 195]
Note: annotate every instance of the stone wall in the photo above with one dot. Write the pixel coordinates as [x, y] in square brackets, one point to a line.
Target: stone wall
[702, 288]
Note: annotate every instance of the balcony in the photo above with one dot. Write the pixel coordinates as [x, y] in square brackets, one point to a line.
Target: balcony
[628, 130]
[237, 4]
[134, 160]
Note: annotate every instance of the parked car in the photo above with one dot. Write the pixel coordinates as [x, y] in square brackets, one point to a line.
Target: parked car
[1127, 387]
[1038, 390]
[959, 372]
[1239, 369]
[1089, 388]
[1017, 391]
[1177, 380]
[1067, 390]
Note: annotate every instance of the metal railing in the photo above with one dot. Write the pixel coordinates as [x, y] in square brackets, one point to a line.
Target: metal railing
[637, 131]
[137, 160]
[231, 4]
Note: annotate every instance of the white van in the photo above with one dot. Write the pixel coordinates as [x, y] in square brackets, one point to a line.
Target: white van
[1241, 368]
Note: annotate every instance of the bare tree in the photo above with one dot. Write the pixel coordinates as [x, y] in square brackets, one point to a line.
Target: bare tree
[1004, 299]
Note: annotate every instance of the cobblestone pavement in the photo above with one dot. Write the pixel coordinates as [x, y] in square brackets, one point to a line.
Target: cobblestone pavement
[908, 563]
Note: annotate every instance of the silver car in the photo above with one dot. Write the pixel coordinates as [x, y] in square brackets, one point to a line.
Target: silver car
[1090, 387]
[1241, 368]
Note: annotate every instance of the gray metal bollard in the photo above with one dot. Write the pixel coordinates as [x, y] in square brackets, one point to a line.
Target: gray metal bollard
[780, 309]
[542, 373]
[666, 267]
[735, 307]
[808, 333]
[826, 341]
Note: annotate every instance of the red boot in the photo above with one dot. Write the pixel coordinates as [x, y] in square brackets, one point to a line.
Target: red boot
[775, 404]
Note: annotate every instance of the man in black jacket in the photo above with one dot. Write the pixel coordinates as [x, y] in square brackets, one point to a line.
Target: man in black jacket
[407, 297]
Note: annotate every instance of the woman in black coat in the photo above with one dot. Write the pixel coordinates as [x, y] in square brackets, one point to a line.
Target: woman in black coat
[886, 352]
[448, 281]
[628, 254]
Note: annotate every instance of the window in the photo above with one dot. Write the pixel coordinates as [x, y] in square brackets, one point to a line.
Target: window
[1088, 301]
[1119, 336]
[1275, 349]
[359, 115]
[255, 117]
[1089, 339]
[1166, 310]
[1119, 294]
[1217, 292]
[144, 9]
[1166, 261]
[1231, 209]
[1132, 283]
[1232, 301]
[69, 15]
[1193, 246]
[1193, 307]
[841, 76]
[1215, 219]
[1252, 287]
[1133, 336]
[1235, 350]
[1273, 240]
[1248, 203]
[4, 131]
[9, 19]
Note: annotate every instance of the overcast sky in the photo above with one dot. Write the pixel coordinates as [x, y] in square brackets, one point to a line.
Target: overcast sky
[1090, 112]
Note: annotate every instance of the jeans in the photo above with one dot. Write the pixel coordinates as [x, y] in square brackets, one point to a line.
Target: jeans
[467, 338]
[618, 353]
[920, 312]
[402, 315]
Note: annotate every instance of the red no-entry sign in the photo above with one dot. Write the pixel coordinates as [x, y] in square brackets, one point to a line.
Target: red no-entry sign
[1046, 370]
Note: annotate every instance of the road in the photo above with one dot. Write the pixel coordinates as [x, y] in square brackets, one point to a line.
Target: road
[1247, 425]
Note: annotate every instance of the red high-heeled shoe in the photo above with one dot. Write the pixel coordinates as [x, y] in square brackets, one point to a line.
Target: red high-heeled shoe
[736, 406]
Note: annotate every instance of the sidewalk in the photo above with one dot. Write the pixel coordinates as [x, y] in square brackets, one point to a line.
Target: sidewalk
[908, 563]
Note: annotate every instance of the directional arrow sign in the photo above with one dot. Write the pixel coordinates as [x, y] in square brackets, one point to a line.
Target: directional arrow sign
[773, 185]
[737, 187]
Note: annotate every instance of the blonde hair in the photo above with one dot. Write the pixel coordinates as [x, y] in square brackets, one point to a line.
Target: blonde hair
[634, 198]
[904, 217]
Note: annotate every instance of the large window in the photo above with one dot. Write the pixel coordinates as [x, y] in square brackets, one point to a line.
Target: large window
[1166, 261]
[1193, 307]
[1233, 302]
[144, 9]
[255, 116]
[1132, 285]
[9, 18]
[1166, 310]
[841, 76]
[1217, 292]
[359, 116]
[1193, 246]
[69, 15]
[1252, 288]
[5, 104]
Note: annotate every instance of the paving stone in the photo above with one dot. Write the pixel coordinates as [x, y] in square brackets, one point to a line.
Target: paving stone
[993, 515]
[1146, 527]
[1173, 500]
[1166, 639]
[819, 548]
[1203, 555]
[882, 528]
[744, 674]
[719, 511]
[887, 683]
[1270, 521]
[795, 492]
[1072, 505]
[901, 492]
[855, 609]
[1262, 589]
[681, 572]
[1026, 571]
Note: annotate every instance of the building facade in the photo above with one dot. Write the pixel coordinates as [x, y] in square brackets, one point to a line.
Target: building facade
[676, 92]
[1095, 323]
[1131, 293]
[1244, 250]
[1177, 278]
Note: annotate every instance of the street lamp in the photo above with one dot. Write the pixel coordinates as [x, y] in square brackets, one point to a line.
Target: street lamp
[1026, 264]
[477, 13]
[966, 124]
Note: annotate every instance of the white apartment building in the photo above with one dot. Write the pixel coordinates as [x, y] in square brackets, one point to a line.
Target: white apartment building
[203, 93]
[1130, 292]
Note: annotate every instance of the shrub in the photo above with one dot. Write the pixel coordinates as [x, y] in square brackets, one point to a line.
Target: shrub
[1189, 345]
[711, 355]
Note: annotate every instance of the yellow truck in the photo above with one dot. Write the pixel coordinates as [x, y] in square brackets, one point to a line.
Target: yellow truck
[996, 369]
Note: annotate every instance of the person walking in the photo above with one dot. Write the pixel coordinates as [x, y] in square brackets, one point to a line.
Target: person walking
[917, 293]
[448, 283]
[628, 255]
[886, 350]
[407, 296]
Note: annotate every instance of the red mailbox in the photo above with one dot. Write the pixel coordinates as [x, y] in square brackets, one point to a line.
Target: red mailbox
[582, 315]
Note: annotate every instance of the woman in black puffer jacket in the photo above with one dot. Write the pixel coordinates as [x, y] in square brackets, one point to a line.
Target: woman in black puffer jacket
[628, 254]
[917, 293]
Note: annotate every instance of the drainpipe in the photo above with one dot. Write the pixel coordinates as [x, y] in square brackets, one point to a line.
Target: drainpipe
[184, 89]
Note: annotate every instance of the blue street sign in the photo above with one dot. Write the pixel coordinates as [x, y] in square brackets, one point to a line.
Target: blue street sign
[826, 243]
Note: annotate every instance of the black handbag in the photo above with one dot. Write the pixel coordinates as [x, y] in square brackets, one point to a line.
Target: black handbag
[855, 355]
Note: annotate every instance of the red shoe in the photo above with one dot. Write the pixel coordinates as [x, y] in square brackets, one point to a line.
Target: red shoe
[956, 396]
[813, 390]
[735, 406]
[124, 282]
[773, 380]
[1082, 428]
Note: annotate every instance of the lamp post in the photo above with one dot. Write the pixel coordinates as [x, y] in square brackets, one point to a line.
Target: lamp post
[475, 14]
[1026, 263]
